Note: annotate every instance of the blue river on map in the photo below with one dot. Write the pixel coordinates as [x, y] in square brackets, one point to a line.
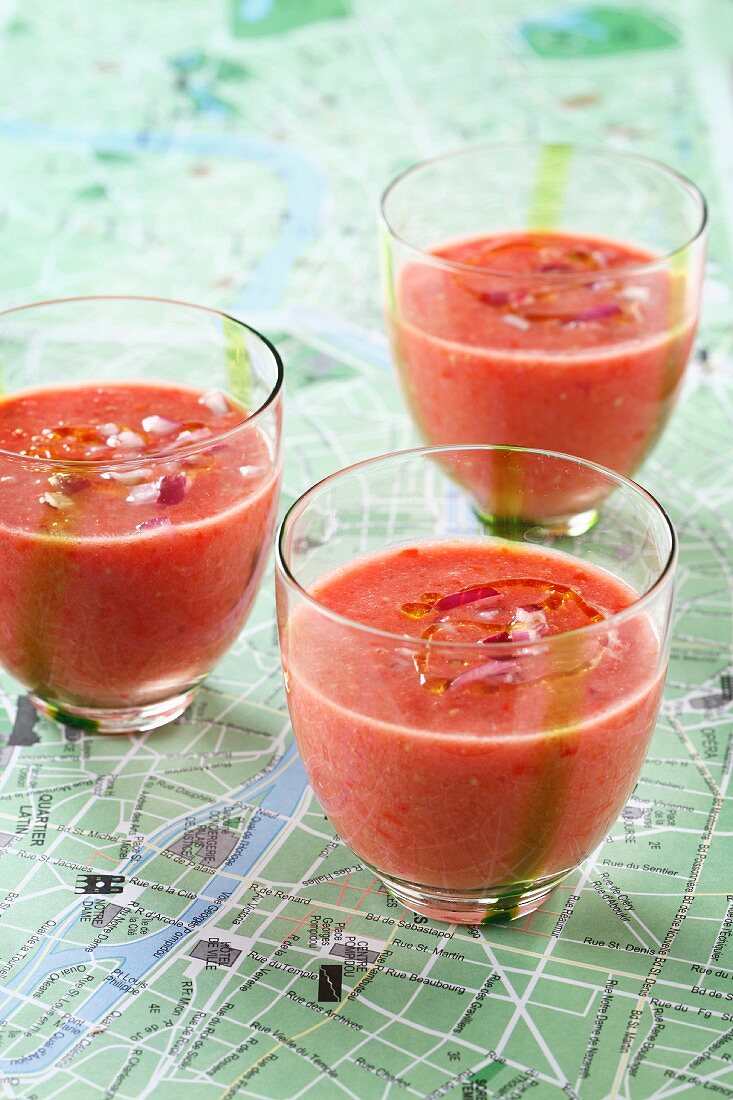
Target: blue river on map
[286, 784]
[303, 184]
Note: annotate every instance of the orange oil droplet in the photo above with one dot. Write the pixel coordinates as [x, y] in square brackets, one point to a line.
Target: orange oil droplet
[436, 687]
[431, 597]
[415, 610]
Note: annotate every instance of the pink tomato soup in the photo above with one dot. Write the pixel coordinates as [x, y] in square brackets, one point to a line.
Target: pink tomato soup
[120, 586]
[472, 767]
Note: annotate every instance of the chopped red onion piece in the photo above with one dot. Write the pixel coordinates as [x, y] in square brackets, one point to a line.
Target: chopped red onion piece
[498, 636]
[129, 477]
[172, 489]
[144, 494]
[499, 671]
[216, 402]
[525, 635]
[558, 267]
[55, 500]
[595, 313]
[466, 596]
[497, 297]
[160, 425]
[151, 524]
[69, 483]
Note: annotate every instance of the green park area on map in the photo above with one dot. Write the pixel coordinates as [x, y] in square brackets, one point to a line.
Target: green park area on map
[175, 912]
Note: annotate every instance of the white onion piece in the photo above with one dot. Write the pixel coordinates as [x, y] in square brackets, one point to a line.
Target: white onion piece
[194, 437]
[530, 615]
[635, 293]
[160, 425]
[153, 524]
[108, 429]
[55, 500]
[533, 621]
[129, 477]
[126, 440]
[216, 402]
[143, 494]
[515, 321]
[487, 616]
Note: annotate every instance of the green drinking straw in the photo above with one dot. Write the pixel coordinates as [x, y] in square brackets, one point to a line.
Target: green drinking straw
[238, 362]
[548, 193]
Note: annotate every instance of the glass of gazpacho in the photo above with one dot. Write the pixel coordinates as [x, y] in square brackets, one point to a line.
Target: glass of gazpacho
[472, 711]
[543, 296]
[139, 475]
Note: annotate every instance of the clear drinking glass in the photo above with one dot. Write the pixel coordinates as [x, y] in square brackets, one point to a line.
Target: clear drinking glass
[472, 711]
[139, 476]
[543, 296]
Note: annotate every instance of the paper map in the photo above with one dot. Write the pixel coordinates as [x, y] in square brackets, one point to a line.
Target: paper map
[176, 917]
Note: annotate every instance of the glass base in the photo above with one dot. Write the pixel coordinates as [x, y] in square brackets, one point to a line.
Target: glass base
[114, 719]
[538, 530]
[474, 906]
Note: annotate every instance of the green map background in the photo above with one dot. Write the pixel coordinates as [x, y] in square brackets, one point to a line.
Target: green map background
[232, 154]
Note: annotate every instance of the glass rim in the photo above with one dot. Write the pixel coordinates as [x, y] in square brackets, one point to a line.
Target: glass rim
[553, 277]
[104, 463]
[296, 509]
